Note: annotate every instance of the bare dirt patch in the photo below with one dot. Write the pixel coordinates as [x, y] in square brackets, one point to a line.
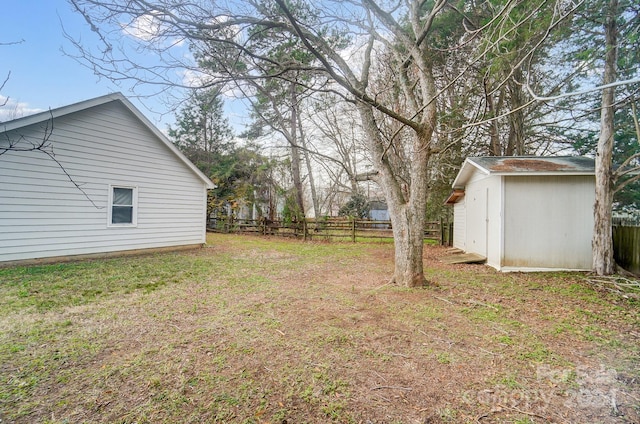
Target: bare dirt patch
[252, 330]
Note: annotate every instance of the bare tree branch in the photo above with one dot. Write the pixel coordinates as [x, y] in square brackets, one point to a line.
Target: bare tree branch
[45, 146]
[6, 99]
[581, 92]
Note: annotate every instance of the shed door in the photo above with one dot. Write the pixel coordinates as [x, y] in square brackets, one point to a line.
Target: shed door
[477, 220]
[460, 224]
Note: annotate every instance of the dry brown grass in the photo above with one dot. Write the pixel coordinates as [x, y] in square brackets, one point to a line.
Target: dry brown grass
[253, 330]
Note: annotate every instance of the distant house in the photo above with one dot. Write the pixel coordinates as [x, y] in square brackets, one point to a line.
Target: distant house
[103, 180]
[526, 213]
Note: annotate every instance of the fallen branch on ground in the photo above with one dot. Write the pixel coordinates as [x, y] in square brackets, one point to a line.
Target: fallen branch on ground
[408, 389]
[622, 286]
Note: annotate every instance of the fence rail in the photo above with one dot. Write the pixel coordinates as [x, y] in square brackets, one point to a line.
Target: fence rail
[327, 229]
[626, 247]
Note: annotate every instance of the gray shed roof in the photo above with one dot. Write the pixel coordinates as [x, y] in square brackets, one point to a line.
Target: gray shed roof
[517, 164]
[530, 165]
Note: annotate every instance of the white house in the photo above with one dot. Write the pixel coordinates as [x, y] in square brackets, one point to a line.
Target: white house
[95, 177]
[525, 213]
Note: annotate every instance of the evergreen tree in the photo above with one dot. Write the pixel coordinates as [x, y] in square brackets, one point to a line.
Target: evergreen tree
[202, 131]
[357, 206]
[241, 174]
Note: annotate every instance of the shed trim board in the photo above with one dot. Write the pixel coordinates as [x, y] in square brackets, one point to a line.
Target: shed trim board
[537, 213]
[98, 144]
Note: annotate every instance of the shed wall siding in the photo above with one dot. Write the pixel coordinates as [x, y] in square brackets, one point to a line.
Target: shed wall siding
[42, 214]
[548, 222]
[476, 241]
[476, 177]
[482, 223]
[494, 230]
[379, 214]
[459, 224]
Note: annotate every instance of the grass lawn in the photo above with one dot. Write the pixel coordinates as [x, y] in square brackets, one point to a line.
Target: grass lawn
[257, 330]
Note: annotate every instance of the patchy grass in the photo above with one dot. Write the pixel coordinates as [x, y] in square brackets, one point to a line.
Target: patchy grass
[259, 330]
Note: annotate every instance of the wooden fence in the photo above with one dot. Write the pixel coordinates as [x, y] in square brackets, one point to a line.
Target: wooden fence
[626, 247]
[340, 229]
[626, 239]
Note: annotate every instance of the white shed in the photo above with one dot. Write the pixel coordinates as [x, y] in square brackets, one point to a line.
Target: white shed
[525, 213]
[95, 177]
[378, 210]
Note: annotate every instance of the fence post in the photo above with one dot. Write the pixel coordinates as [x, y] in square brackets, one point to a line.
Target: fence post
[304, 229]
[353, 229]
[450, 234]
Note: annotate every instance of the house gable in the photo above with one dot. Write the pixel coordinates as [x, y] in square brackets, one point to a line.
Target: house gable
[47, 122]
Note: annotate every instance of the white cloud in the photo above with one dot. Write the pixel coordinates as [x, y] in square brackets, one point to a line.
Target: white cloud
[151, 28]
[14, 109]
[146, 27]
[194, 78]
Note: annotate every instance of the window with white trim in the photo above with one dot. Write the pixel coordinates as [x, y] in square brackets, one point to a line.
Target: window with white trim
[122, 206]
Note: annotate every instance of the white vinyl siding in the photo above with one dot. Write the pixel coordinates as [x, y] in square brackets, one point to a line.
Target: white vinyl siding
[43, 214]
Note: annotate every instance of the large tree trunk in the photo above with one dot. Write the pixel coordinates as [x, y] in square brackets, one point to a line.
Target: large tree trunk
[407, 203]
[603, 262]
[295, 154]
[408, 221]
[312, 183]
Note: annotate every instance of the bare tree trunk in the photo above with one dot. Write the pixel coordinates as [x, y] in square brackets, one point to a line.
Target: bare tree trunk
[408, 221]
[307, 160]
[295, 154]
[495, 147]
[603, 262]
[515, 143]
[407, 205]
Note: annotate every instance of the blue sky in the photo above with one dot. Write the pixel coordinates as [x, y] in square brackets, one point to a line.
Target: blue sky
[43, 76]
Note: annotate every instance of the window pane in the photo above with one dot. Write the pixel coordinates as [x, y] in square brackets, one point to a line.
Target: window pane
[122, 215]
[123, 196]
